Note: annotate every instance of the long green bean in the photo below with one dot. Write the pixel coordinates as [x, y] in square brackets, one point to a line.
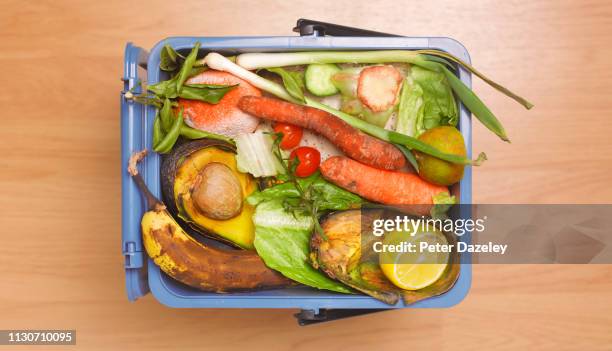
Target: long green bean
[165, 145]
[165, 114]
[187, 66]
[157, 130]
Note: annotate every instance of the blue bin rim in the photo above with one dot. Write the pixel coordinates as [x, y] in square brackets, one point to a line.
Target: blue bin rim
[162, 287]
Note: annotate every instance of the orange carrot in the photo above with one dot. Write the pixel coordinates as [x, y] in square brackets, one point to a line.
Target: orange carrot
[385, 187]
[225, 117]
[348, 139]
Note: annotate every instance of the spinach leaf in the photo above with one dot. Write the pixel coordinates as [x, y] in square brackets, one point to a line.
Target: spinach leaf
[176, 87]
[205, 93]
[164, 89]
[209, 86]
[210, 93]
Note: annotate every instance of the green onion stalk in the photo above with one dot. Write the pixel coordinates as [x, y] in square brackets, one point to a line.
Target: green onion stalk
[434, 60]
[219, 62]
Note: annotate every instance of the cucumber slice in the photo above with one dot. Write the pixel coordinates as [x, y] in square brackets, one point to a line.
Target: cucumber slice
[318, 79]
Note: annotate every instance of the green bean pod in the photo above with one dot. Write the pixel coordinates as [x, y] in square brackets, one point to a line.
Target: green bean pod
[157, 130]
[166, 115]
[166, 144]
[187, 66]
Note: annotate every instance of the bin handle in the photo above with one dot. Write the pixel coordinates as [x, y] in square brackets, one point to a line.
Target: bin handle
[131, 139]
[308, 27]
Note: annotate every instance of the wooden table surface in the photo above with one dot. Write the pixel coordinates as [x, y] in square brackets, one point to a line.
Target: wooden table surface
[60, 261]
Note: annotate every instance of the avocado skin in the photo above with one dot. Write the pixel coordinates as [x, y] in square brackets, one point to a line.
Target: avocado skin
[172, 160]
[239, 236]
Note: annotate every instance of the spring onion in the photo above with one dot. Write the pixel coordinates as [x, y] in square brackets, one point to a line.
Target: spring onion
[475, 105]
[218, 62]
[416, 57]
[264, 60]
[434, 60]
[437, 53]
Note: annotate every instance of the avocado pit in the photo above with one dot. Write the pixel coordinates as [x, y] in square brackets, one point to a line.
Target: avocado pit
[217, 192]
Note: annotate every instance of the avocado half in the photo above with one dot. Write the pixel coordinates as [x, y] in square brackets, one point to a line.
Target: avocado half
[346, 254]
[180, 173]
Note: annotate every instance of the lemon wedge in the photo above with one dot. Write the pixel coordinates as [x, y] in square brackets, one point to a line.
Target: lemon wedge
[416, 269]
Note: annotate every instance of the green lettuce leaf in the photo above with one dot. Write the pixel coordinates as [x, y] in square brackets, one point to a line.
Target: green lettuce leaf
[410, 109]
[282, 241]
[426, 101]
[328, 196]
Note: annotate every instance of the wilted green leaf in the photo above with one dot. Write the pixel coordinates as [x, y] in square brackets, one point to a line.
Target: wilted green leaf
[169, 59]
[292, 80]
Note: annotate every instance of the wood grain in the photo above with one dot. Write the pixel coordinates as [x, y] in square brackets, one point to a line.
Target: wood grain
[60, 261]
